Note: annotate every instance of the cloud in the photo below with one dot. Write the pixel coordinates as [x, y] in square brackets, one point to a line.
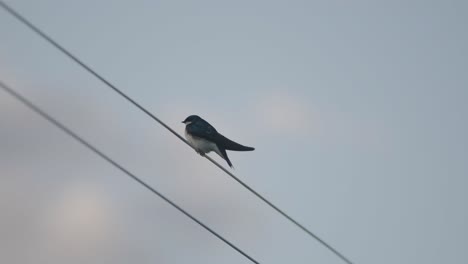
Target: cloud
[286, 114]
[80, 213]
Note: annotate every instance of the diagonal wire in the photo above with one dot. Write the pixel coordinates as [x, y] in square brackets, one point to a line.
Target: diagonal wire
[32, 27]
[72, 134]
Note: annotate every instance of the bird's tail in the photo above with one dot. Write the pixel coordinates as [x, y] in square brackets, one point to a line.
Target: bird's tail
[231, 145]
[225, 156]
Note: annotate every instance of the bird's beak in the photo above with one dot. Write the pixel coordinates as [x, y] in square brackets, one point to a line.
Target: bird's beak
[183, 122]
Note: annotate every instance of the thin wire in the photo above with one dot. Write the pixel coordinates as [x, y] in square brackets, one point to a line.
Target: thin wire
[110, 85]
[68, 131]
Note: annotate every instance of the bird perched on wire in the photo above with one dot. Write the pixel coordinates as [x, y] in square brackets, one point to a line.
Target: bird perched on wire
[204, 138]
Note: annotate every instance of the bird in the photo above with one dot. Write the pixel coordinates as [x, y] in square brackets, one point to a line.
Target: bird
[204, 138]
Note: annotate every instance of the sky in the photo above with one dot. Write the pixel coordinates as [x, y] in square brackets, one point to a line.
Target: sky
[357, 112]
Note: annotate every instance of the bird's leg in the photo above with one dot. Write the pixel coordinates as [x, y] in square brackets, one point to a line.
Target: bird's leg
[200, 152]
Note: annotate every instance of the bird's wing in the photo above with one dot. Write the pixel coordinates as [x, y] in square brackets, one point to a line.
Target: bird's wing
[228, 144]
[202, 129]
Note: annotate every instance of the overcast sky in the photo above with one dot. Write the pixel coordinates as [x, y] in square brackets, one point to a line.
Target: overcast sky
[357, 111]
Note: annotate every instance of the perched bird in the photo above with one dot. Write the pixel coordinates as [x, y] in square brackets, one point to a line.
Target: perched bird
[204, 138]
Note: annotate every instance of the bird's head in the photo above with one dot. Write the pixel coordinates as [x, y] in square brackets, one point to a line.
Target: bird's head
[191, 119]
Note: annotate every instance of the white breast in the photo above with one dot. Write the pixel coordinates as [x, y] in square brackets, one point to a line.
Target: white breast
[202, 145]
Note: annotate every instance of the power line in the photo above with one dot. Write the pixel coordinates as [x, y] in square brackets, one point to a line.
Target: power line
[32, 27]
[68, 131]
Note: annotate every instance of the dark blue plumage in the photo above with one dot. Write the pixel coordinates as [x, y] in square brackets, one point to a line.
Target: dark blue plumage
[204, 138]
[200, 128]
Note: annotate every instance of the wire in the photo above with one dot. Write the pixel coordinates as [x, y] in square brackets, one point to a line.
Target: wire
[110, 85]
[115, 164]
